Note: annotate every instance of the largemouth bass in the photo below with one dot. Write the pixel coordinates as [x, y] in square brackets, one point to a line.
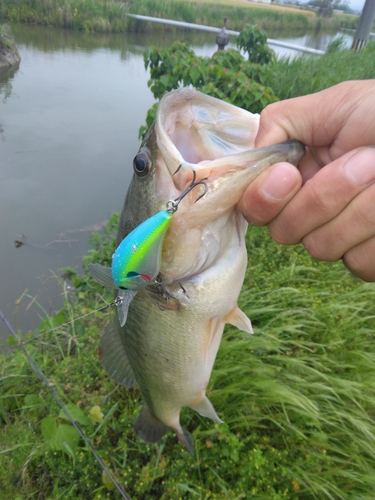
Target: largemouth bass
[173, 329]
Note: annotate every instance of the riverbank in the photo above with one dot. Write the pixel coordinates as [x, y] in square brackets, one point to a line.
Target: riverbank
[105, 16]
[9, 55]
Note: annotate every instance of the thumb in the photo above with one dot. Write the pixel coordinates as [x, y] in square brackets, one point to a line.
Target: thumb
[316, 119]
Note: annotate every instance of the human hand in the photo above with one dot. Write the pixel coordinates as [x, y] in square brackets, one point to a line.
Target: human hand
[328, 203]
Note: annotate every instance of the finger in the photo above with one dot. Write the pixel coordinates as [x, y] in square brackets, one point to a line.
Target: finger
[310, 165]
[303, 118]
[324, 196]
[333, 121]
[353, 226]
[360, 260]
[268, 194]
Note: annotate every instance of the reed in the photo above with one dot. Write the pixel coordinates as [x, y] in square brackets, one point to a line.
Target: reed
[305, 75]
[110, 16]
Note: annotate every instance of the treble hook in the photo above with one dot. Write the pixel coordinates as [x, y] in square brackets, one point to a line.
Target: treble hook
[172, 205]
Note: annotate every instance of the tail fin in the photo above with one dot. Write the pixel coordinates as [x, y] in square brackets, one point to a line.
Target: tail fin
[187, 440]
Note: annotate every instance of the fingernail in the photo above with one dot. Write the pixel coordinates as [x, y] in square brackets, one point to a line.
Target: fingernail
[279, 183]
[360, 167]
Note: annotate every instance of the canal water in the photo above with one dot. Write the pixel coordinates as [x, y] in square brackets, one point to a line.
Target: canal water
[69, 120]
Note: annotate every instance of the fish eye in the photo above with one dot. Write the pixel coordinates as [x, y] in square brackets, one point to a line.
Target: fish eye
[141, 164]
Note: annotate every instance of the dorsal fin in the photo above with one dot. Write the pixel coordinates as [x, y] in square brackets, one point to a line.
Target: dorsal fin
[113, 356]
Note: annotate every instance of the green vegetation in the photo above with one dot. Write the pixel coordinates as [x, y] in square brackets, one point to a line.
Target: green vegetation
[297, 398]
[6, 38]
[305, 75]
[253, 83]
[107, 15]
[226, 75]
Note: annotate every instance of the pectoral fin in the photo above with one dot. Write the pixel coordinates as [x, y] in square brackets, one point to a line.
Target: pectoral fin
[206, 409]
[239, 319]
[113, 356]
[101, 274]
[123, 307]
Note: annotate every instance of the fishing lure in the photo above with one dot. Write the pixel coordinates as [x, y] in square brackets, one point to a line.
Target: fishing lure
[136, 262]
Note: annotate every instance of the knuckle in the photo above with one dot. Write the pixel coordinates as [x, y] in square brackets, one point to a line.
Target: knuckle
[280, 235]
[352, 262]
[318, 248]
[359, 260]
[365, 218]
[322, 205]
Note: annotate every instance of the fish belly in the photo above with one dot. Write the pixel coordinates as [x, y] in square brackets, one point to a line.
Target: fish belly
[172, 352]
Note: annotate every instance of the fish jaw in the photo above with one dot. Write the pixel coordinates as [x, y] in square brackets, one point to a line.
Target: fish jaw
[201, 231]
[193, 127]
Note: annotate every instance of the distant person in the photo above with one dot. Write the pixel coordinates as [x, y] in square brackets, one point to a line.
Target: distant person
[328, 204]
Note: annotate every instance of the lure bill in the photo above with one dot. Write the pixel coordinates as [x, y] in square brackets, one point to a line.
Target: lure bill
[169, 351]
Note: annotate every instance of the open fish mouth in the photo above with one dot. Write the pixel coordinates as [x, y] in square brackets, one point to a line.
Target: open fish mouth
[192, 128]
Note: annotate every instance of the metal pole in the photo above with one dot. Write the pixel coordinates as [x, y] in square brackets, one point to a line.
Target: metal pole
[364, 25]
[212, 29]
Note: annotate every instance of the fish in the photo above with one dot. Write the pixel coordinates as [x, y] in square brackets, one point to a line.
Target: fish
[167, 339]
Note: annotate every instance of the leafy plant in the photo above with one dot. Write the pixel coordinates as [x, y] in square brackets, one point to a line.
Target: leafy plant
[226, 75]
[253, 40]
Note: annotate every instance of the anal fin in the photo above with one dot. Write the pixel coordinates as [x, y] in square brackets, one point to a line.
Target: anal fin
[206, 409]
[239, 319]
[148, 427]
[113, 356]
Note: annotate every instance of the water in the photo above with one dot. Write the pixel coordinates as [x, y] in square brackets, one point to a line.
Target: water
[69, 120]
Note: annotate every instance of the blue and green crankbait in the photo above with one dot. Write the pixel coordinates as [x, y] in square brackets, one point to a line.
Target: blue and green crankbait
[137, 260]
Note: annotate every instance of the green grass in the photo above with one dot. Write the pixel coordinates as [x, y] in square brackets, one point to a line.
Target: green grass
[306, 75]
[110, 16]
[297, 398]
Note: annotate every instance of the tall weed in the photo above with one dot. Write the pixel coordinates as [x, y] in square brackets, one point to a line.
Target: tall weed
[297, 398]
[305, 75]
[106, 15]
